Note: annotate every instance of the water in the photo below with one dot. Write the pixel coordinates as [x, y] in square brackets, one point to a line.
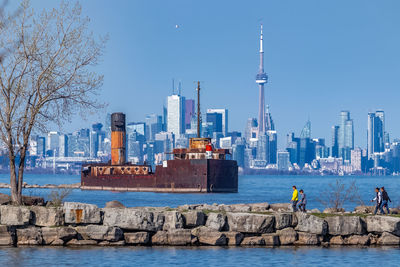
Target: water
[272, 189]
[204, 256]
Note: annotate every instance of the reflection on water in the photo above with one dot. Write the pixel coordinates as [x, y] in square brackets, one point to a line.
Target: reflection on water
[204, 256]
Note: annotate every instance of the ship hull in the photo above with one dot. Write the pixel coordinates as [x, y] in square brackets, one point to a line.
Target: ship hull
[175, 176]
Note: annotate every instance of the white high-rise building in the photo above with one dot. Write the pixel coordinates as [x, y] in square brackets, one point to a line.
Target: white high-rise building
[224, 113]
[53, 142]
[176, 114]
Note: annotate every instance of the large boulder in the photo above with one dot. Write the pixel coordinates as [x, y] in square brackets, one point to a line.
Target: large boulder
[134, 219]
[7, 235]
[179, 237]
[311, 224]
[287, 236]
[42, 216]
[357, 240]
[251, 223]
[173, 220]
[253, 241]
[81, 213]
[216, 221]
[14, 215]
[100, 232]
[237, 208]
[81, 243]
[336, 240]
[29, 236]
[114, 204]
[388, 239]
[194, 218]
[307, 239]
[283, 220]
[234, 238]
[345, 225]
[57, 235]
[333, 210]
[380, 224]
[280, 207]
[259, 207]
[271, 240]
[209, 236]
[364, 209]
[138, 238]
[160, 238]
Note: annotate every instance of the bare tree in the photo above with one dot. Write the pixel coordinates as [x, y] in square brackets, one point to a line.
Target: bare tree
[45, 77]
[338, 193]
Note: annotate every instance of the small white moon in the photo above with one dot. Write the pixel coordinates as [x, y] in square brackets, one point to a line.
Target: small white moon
[176, 26]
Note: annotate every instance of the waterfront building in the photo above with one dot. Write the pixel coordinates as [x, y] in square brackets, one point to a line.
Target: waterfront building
[176, 114]
[224, 118]
[283, 160]
[356, 159]
[335, 142]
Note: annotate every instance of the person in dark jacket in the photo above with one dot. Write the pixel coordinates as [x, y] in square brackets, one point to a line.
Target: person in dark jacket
[378, 199]
[303, 201]
[385, 199]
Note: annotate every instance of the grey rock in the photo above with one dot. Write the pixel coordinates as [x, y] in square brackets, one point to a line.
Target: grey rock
[238, 208]
[179, 237]
[364, 209]
[160, 238]
[259, 207]
[280, 207]
[100, 232]
[114, 204]
[80, 243]
[251, 223]
[311, 224]
[287, 236]
[7, 235]
[388, 239]
[345, 225]
[253, 241]
[194, 218]
[14, 215]
[81, 213]
[234, 238]
[333, 210]
[42, 216]
[380, 224]
[112, 244]
[271, 239]
[283, 220]
[138, 238]
[173, 220]
[209, 236]
[307, 239]
[29, 236]
[52, 235]
[216, 221]
[133, 219]
[357, 240]
[336, 240]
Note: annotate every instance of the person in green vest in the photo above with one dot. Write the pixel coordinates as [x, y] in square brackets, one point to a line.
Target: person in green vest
[295, 198]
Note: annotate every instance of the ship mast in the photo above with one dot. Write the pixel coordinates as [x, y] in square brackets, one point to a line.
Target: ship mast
[198, 109]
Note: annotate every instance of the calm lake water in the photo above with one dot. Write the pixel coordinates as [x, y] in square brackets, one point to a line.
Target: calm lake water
[272, 189]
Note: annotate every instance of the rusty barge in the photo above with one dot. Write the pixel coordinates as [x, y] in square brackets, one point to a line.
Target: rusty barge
[197, 169]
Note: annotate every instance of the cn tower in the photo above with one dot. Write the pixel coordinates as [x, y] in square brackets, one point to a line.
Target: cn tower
[261, 79]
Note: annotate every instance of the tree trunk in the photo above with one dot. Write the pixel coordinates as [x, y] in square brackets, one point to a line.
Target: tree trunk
[21, 169]
[16, 197]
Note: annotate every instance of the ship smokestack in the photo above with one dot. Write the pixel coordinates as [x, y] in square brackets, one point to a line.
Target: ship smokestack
[118, 155]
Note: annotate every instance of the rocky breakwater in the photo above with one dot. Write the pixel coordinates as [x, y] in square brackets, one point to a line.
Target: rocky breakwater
[261, 224]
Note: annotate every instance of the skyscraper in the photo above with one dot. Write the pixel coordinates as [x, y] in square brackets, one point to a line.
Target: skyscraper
[261, 79]
[214, 122]
[346, 135]
[269, 122]
[376, 132]
[189, 112]
[176, 114]
[224, 114]
[335, 141]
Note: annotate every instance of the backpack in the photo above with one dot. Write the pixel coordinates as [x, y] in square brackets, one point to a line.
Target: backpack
[385, 196]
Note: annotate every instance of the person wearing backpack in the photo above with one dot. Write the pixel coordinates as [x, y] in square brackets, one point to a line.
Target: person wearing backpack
[385, 199]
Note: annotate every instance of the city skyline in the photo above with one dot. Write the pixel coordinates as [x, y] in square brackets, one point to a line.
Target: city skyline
[317, 65]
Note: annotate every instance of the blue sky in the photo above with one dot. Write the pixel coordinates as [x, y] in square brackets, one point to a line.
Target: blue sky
[321, 57]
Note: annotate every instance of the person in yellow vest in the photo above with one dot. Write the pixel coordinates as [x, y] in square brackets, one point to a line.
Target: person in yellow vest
[295, 198]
